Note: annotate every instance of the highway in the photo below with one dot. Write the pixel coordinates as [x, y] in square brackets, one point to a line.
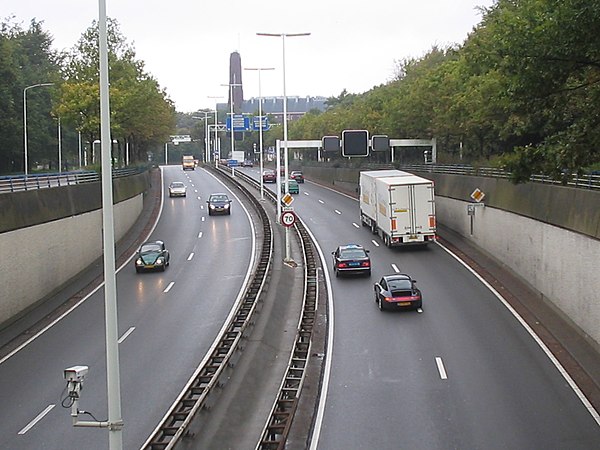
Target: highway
[167, 322]
[463, 373]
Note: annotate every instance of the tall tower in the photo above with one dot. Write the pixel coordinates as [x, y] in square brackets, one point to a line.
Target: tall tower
[235, 77]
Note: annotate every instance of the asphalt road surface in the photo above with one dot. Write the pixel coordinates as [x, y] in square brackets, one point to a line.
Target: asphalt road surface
[167, 322]
[462, 374]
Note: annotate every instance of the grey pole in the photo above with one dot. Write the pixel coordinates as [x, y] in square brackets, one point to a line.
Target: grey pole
[25, 122]
[285, 130]
[115, 421]
[260, 124]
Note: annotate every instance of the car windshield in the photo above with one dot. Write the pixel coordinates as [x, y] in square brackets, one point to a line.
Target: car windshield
[177, 184]
[218, 198]
[350, 253]
[396, 285]
[150, 248]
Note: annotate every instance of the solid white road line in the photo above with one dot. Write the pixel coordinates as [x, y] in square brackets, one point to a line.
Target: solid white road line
[375, 243]
[582, 398]
[169, 287]
[199, 235]
[126, 334]
[441, 369]
[337, 212]
[395, 267]
[39, 417]
[356, 225]
[191, 256]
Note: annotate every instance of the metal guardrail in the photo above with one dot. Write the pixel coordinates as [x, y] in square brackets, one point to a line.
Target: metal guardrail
[279, 422]
[207, 377]
[49, 180]
[588, 181]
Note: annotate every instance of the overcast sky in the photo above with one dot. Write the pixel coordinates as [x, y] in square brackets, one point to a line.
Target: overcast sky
[186, 44]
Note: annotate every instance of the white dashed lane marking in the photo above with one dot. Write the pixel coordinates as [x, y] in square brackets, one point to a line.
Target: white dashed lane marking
[126, 334]
[39, 417]
[441, 369]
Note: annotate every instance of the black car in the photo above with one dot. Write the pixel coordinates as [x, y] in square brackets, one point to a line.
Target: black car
[397, 291]
[351, 259]
[297, 175]
[152, 255]
[218, 204]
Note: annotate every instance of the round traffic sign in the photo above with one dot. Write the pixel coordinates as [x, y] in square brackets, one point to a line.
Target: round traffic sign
[288, 218]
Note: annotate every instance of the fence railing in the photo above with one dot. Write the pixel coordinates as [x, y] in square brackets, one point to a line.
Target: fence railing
[49, 180]
[587, 181]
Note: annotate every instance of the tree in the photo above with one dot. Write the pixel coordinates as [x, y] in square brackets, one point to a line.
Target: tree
[25, 59]
[142, 116]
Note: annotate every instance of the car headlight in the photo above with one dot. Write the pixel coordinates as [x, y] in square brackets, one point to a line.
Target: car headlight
[226, 206]
[211, 206]
[160, 261]
[139, 262]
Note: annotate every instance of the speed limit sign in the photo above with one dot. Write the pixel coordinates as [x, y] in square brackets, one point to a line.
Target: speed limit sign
[288, 218]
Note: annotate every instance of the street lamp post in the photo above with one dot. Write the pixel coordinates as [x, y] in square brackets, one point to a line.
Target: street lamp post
[59, 147]
[232, 133]
[285, 135]
[216, 133]
[206, 137]
[25, 121]
[260, 124]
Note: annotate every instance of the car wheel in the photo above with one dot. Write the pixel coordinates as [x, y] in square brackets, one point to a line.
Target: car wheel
[209, 212]
[138, 270]
[373, 228]
[380, 304]
[229, 212]
[162, 269]
[369, 273]
[337, 273]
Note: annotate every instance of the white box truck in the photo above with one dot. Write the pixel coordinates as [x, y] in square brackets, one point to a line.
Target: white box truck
[398, 206]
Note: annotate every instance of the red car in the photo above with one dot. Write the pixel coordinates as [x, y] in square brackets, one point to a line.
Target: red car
[269, 176]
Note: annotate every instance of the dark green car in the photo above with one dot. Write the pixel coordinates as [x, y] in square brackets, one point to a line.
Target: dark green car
[152, 256]
[293, 187]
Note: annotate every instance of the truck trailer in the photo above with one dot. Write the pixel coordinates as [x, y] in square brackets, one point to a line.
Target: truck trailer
[398, 206]
[188, 162]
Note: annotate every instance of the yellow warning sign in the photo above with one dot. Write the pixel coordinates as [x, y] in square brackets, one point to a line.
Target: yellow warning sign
[477, 195]
[287, 199]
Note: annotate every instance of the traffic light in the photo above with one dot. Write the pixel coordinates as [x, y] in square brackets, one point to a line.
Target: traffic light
[355, 143]
[331, 144]
[380, 143]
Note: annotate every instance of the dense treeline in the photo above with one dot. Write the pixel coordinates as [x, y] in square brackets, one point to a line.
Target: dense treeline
[142, 116]
[523, 91]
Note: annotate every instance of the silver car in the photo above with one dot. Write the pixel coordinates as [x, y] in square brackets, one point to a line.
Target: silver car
[177, 189]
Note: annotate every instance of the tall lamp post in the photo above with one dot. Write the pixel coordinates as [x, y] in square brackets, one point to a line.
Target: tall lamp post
[216, 131]
[285, 136]
[25, 120]
[260, 124]
[206, 137]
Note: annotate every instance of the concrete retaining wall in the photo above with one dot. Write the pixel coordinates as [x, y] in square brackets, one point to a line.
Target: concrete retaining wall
[560, 264]
[549, 235]
[48, 236]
